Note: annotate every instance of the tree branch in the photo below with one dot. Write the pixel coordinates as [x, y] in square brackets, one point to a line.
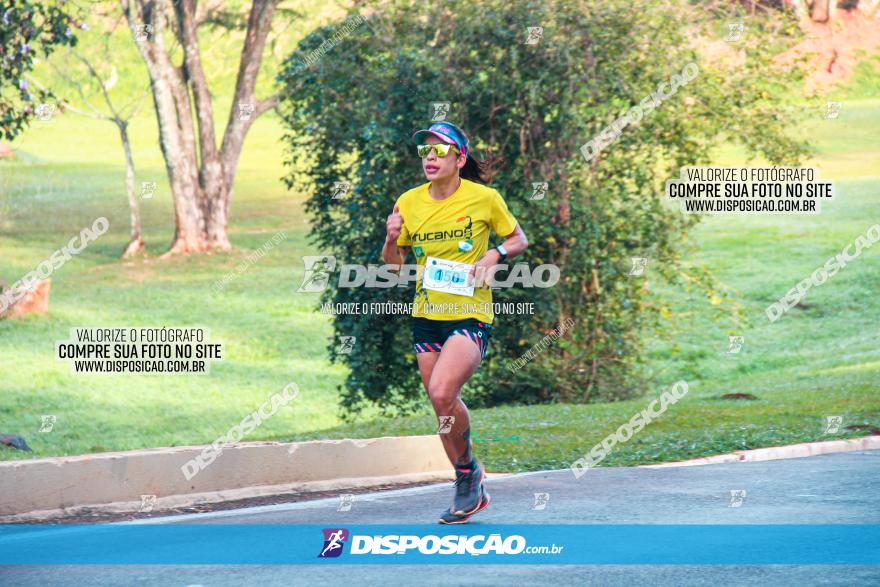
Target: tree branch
[192, 64]
[97, 78]
[259, 23]
[96, 114]
[267, 104]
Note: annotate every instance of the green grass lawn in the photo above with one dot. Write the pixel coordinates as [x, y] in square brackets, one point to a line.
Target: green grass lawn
[812, 363]
[271, 334]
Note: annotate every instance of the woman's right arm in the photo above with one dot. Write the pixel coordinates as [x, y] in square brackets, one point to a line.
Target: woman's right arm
[391, 253]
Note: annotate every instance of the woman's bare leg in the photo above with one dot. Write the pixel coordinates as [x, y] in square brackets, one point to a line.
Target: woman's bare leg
[443, 375]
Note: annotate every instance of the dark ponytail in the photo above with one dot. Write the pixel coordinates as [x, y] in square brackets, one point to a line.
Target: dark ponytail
[478, 171]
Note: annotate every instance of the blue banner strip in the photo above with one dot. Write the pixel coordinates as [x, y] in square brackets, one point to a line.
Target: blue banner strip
[844, 544]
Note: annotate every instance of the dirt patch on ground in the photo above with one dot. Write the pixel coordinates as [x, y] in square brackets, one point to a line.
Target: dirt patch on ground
[747, 396]
[872, 430]
[832, 50]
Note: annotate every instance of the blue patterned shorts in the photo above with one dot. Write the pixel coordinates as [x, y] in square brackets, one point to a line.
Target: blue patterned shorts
[429, 335]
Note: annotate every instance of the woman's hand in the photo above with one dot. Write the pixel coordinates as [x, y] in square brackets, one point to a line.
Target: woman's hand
[481, 268]
[393, 225]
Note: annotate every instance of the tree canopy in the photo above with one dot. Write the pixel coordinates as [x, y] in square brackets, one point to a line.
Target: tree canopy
[27, 30]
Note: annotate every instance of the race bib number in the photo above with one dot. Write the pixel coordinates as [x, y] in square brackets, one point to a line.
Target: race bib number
[448, 276]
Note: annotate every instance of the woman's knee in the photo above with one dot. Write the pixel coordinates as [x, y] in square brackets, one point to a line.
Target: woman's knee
[443, 396]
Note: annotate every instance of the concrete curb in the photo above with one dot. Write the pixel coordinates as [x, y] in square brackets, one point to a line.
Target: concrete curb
[792, 451]
[115, 481]
[42, 489]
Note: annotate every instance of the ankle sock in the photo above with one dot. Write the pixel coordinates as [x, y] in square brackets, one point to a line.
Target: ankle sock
[467, 467]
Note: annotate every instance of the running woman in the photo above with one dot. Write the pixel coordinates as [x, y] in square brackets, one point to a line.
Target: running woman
[446, 222]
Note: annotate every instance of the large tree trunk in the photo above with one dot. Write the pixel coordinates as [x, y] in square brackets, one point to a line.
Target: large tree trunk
[821, 10]
[200, 176]
[213, 191]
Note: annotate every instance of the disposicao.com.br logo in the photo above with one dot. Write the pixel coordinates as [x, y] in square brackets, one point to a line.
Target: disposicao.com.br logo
[334, 539]
[320, 269]
[476, 545]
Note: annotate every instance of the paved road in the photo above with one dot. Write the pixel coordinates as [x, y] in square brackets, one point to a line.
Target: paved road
[826, 489]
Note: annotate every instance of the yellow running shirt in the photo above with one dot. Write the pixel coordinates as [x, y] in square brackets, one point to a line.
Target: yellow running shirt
[455, 229]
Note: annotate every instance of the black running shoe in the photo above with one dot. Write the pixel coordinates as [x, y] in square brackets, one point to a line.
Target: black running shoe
[468, 490]
[449, 518]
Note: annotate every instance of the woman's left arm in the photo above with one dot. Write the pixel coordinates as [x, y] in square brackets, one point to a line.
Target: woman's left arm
[515, 244]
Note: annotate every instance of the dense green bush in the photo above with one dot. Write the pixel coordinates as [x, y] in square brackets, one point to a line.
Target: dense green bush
[28, 30]
[530, 107]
